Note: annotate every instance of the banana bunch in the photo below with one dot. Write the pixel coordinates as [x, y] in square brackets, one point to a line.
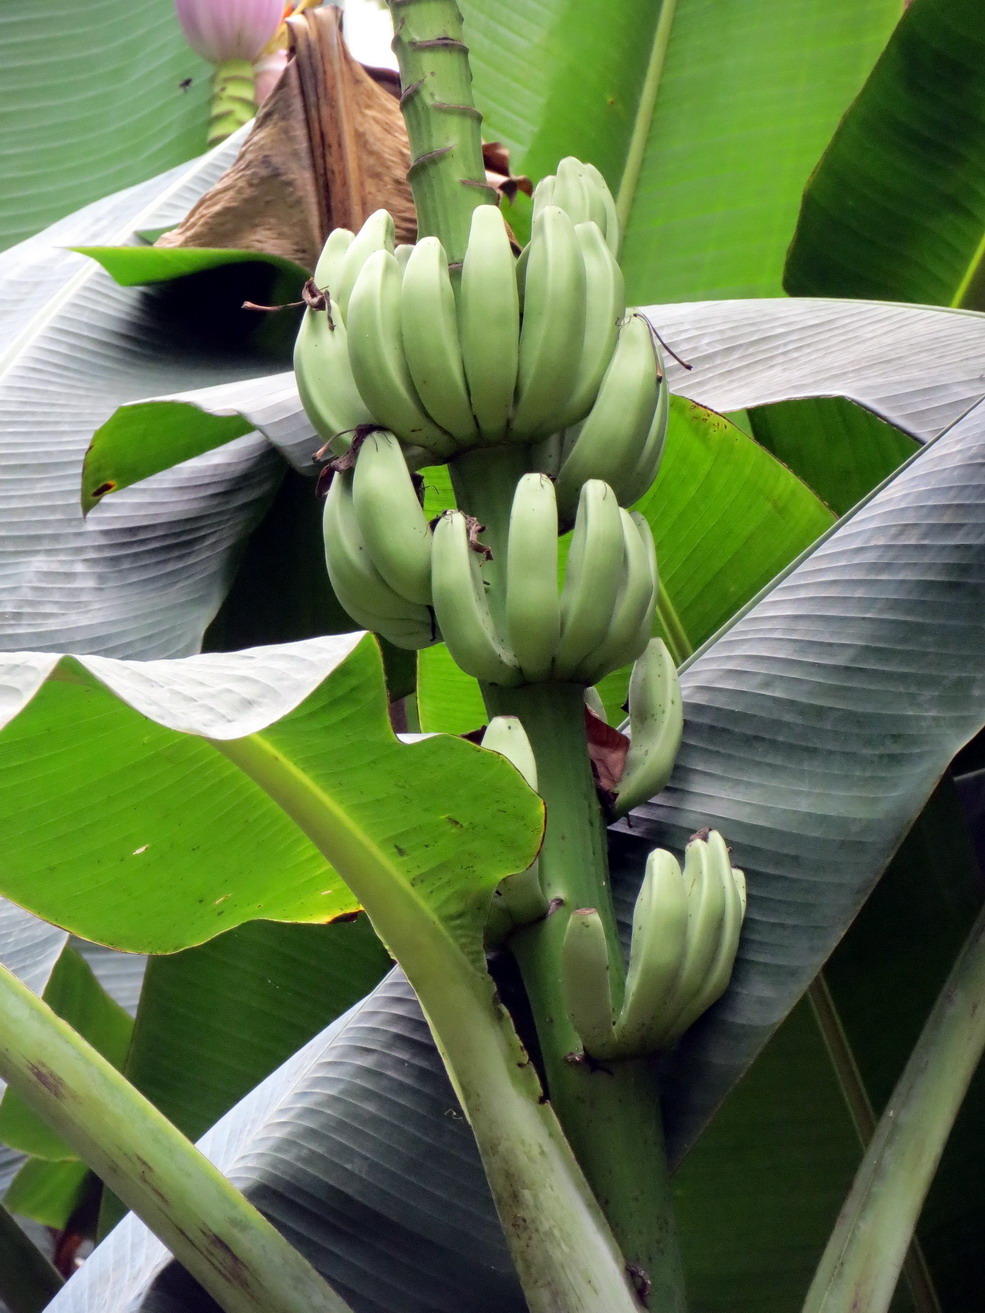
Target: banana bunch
[519, 899]
[378, 544]
[686, 927]
[600, 620]
[656, 723]
[518, 351]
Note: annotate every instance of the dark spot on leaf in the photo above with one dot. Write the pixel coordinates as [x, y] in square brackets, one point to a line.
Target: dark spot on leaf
[401, 852]
[104, 488]
[343, 917]
[453, 821]
[50, 1080]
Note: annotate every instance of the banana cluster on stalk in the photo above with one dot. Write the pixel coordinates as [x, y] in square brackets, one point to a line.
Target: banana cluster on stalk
[513, 351]
[686, 927]
[378, 544]
[600, 619]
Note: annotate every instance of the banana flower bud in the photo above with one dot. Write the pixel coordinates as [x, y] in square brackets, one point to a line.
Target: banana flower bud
[230, 34]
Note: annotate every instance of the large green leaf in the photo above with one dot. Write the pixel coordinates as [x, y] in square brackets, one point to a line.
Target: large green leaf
[92, 735]
[711, 114]
[815, 729]
[149, 575]
[896, 207]
[92, 99]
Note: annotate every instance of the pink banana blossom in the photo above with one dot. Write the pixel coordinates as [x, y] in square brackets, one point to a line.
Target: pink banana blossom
[220, 30]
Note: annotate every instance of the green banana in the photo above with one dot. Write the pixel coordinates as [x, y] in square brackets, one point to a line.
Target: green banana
[719, 972]
[632, 485]
[594, 703]
[581, 191]
[552, 333]
[605, 307]
[519, 899]
[611, 228]
[592, 578]
[324, 379]
[632, 614]
[359, 586]
[403, 253]
[532, 606]
[705, 865]
[656, 723]
[376, 234]
[376, 353]
[656, 955]
[585, 981]
[326, 274]
[461, 608]
[429, 328]
[611, 439]
[489, 322]
[391, 518]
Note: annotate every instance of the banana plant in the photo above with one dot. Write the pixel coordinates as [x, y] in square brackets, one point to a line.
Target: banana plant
[781, 634]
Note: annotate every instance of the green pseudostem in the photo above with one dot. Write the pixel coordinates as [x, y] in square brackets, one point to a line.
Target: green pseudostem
[611, 1119]
[231, 1249]
[610, 1114]
[234, 100]
[861, 1264]
[447, 174]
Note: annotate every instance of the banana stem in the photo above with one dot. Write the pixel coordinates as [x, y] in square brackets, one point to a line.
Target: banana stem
[861, 1264]
[233, 99]
[28, 1282]
[610, 1113]
[447, 174]
[231, 1249]
[484, 481]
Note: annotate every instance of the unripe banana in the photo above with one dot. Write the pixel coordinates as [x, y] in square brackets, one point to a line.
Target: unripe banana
[581, 191]
[360, 588]
[705, 885]
[326, 276]
[325, 384]
[429, 327]
[592, 578]
[611, 439]
[605, 307]
[593, 701]
[656, 956]
[376, 352]
[519, 899]
[403, 252]
[612, 228]
[656, 723]
[585, 981]
[391, 518]
[632, 486]
[461, 608]
[489, 322]
[552, 334]
[716, 908]
[719, 972]
[532, 606]
[632, 614]
[376, 234]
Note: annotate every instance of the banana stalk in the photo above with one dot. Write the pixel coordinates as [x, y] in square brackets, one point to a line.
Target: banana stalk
[447, 176]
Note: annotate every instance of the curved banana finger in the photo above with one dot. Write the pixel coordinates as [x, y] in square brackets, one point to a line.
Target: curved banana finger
[489, 322]
[592, 578]
[461, 608]
[632, 614]
[376, 352]
[391, 517]
[429, 327]
[585, 981]
[656, 723]
[324, 379]
[532, 605]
